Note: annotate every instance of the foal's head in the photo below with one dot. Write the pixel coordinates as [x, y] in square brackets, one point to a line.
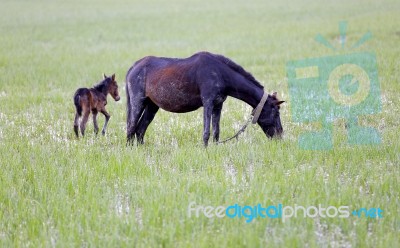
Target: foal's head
[112, 87]
[270, 120]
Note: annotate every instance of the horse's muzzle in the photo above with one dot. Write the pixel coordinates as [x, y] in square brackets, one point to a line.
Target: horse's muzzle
[278, 133]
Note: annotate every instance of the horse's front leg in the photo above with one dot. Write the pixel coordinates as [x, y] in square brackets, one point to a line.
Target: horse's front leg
[207, 120]
[107, 115]
[216, 116]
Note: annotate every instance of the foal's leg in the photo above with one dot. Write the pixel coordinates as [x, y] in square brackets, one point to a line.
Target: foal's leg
[216, 116]
[147, 117]
[107, 115]
[84, 121]
[76, 124]
[96, 127]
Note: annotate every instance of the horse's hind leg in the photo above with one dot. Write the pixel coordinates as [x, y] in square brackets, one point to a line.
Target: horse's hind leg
[76, 124]
[96, 127]
[148, 115]
[135, 101]
[107, 115]
[133, 120]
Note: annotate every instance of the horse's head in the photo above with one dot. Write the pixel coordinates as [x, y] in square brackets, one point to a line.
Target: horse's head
[112, 87]
[270, 120]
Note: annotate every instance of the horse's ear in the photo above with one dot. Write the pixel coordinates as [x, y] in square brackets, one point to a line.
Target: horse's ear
[113, 77]
[104, 76]
[279, 103]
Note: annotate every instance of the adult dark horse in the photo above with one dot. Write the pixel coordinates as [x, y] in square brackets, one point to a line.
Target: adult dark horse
[184, 85]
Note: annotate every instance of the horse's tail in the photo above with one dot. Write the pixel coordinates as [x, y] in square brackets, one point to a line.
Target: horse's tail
[130, 103]
[135, 95]
[77, 103]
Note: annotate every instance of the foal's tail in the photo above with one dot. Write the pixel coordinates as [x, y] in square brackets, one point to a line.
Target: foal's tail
[77, 103]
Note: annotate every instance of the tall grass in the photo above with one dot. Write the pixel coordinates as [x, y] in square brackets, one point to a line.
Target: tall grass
[56, 190]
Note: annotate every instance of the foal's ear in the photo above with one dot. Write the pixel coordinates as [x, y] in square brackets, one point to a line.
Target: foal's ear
[113, 77]
[104, 76]
[279, 103]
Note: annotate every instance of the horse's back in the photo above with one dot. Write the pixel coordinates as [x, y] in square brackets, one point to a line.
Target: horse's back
[169, 82]
[155, 63]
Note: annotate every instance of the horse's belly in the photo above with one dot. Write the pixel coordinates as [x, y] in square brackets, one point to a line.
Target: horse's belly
[175, 96]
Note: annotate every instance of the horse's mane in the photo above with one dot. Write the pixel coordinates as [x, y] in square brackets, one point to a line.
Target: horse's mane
[237, 68]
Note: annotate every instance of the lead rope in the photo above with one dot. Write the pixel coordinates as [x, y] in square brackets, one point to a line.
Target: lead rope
[255, 114]
[241, 130]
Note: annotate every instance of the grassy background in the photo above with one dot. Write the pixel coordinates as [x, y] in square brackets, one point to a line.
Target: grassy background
[59, 191]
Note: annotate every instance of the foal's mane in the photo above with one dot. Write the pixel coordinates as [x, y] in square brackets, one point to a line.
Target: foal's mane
[237, 68]
[100, 86]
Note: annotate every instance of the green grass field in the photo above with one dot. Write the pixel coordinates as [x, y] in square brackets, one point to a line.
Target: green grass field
[57, 191]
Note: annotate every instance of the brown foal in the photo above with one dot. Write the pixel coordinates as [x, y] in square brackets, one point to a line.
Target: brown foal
[94, 100]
